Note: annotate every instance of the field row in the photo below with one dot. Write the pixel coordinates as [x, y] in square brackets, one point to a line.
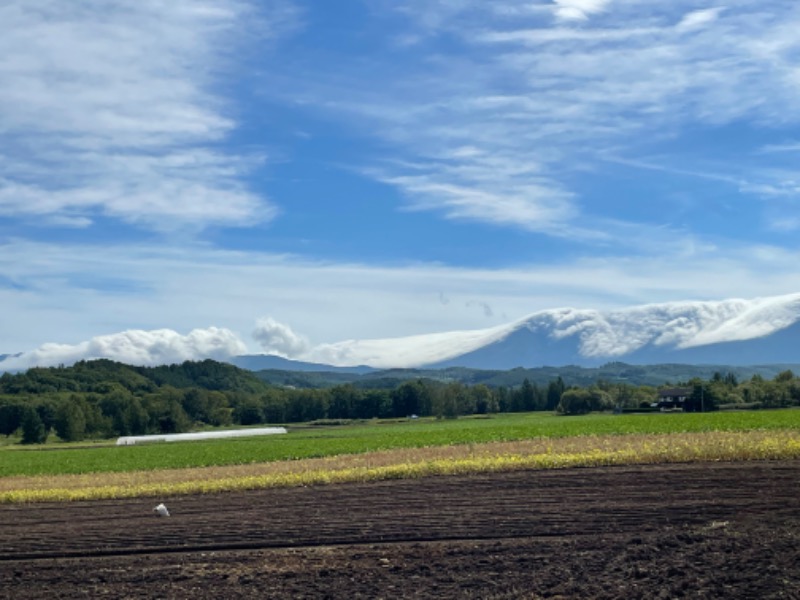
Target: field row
[720, 530]
[375, 437]
[413, 463]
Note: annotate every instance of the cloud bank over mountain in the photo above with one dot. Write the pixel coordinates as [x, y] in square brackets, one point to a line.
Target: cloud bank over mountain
[135, 347]
[656, 332]
[720, 332]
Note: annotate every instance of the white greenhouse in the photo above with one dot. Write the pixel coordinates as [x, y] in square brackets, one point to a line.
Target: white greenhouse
[131, 440]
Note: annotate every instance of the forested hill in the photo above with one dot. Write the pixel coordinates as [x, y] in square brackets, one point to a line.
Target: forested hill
[98, 376]
[103, 399]
[615, 372]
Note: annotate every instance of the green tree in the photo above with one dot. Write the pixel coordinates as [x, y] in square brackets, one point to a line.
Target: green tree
[195, 403]
[274, 406]
[776, 394]
[343, 399]
[70, 422]
[10, 418]
[218, 410]
[114, 406]
[96, 424]
[408, 399]
[527, 397]
[307, 405]
[578, 401]
[447, 401]
[46, 408]
[136, 417]
[33, 429]
[175, 420]
[483, 399]
[503, 399]
[704, 397]
[575, 401]
[373, 404]
[554, 391]
[249, 412]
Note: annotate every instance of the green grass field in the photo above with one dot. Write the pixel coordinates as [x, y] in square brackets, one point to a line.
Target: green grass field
[329, 441]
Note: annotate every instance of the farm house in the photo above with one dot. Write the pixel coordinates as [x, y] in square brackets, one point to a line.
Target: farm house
[673, 398]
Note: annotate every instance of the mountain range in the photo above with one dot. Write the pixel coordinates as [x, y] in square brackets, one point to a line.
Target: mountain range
[731, 332]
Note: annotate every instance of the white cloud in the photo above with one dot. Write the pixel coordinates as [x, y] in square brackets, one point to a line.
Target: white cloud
[109, 109]
[47, 294]
[699, 18]
[600, 334]
[786, 224]
[580, 10]
[779, 148]
[277, 338]
[753, 319]
[530, 204]
[136, 347]
[405, 352]
[596, 334]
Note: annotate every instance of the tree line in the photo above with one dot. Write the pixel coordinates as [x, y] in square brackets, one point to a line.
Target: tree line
[103, 399]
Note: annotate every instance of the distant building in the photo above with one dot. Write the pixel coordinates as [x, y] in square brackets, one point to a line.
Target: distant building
[673, 398]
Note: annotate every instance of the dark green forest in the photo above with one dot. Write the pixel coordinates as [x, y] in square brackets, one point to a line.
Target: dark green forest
[103, 399]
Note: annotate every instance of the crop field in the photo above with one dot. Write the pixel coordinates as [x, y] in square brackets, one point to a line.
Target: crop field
[303, 443]
[681, 505]
[413, 449]
[414, 463]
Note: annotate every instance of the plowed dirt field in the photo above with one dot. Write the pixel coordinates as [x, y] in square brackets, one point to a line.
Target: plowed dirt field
[729, 530]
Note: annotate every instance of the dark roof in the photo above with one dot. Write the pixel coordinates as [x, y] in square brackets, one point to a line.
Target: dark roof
[670, 392]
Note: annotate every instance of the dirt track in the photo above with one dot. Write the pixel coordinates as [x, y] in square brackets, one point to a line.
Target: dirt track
[699, 531]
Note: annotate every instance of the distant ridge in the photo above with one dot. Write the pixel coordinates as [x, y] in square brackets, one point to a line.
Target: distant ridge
[734, 332]
[729, 332]
[260, 362]
[617, 372]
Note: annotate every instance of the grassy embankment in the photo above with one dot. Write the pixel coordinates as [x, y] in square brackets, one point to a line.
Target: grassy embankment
[384, 451]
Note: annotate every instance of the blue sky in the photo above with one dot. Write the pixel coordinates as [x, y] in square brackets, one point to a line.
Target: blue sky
[282, 173]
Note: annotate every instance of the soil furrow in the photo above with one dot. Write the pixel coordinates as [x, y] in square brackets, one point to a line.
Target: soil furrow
[703, 531]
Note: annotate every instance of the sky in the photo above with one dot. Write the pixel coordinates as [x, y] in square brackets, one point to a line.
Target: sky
[213, 177]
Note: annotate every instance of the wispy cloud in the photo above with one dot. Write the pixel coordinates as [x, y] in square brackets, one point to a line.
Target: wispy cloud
[109, 109]
[655, 166]
[498, 122]
[579, 10]
[780, 148]
[699, 18]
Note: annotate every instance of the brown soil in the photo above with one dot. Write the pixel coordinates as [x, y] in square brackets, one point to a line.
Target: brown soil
[695, 531]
